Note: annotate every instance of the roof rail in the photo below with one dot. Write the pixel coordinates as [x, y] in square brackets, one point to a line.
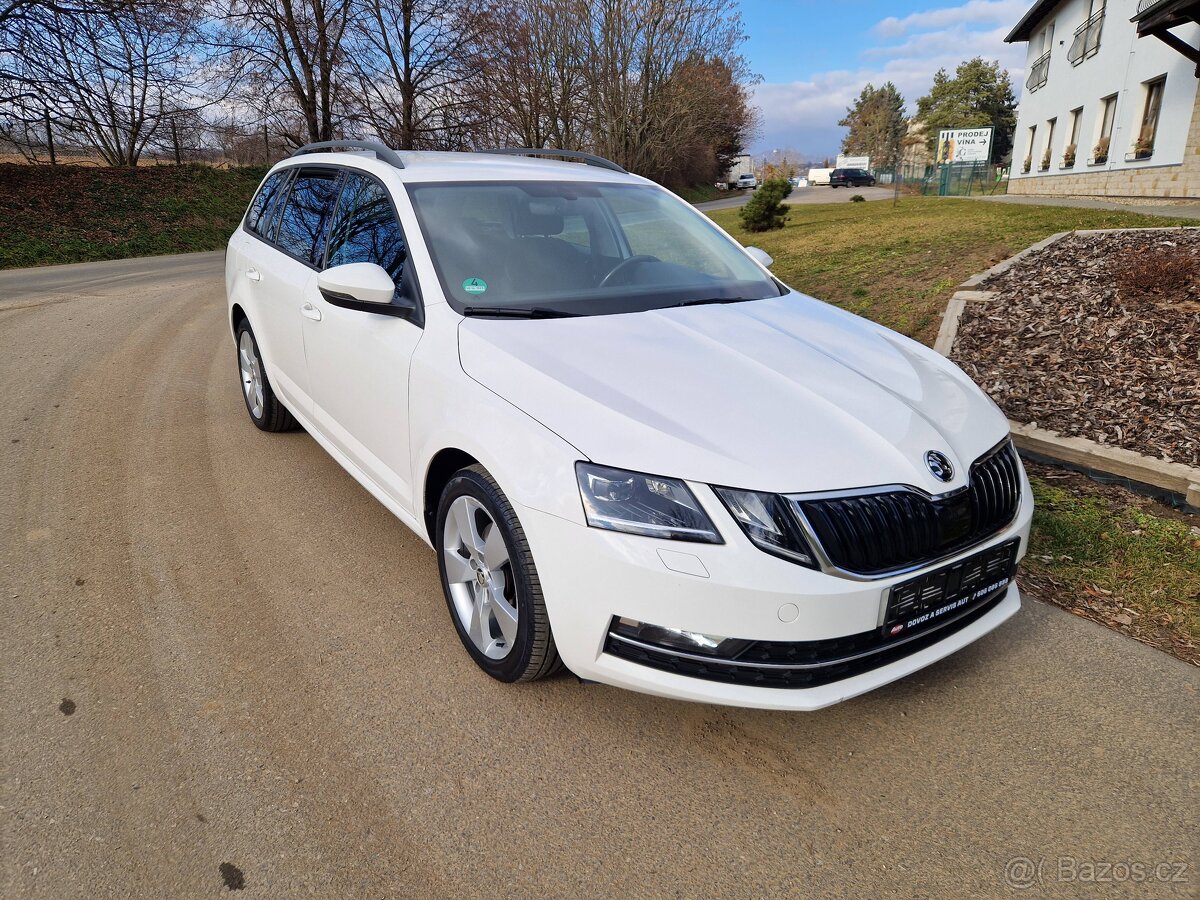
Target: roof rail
[590, 158]
[387, 154]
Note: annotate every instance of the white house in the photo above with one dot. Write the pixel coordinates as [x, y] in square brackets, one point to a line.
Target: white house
[1110, 105]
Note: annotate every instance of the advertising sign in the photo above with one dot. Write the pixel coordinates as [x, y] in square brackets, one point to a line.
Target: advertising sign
[853, 162]
[962, 145]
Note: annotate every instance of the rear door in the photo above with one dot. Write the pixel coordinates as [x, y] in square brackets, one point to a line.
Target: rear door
[282, 268]
[242, 285]
[358, 360]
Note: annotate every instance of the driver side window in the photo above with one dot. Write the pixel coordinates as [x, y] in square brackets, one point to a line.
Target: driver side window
[365, 229]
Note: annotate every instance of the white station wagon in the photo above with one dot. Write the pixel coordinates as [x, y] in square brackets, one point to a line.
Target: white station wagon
[636, 453]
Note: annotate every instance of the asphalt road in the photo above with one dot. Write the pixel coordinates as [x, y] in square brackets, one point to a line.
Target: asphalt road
[225, 664]
[805, 195]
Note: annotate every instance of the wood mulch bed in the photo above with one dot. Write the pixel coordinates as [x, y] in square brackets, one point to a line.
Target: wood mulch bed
[1097, 336]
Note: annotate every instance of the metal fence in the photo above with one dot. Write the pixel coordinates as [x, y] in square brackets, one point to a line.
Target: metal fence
[949, 180]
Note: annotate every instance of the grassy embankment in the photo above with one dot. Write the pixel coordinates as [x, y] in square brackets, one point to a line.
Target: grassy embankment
[699, 193]
[65, 214]
[1100, 552]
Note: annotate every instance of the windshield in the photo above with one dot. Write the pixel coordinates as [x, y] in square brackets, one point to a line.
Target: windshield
[540, 248]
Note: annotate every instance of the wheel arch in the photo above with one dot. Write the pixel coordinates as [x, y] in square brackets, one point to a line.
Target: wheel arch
[236, 316]
[441, 469]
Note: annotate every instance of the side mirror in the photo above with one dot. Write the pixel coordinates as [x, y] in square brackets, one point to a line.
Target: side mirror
[364, 282]
[762, 257]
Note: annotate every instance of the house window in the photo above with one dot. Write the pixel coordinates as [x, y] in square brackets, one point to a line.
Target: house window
[1047, 38]
[1108, 115]
[1045, 163]
[1072, 145]
[1029, 153]
[1150, 112]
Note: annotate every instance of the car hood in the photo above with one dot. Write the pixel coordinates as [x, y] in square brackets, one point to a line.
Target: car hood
[786, 395]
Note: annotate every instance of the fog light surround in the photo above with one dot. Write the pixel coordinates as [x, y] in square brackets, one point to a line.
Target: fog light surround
[677, 639]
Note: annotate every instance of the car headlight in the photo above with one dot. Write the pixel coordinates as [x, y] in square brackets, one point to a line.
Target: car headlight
[643, 504]
[769, 522]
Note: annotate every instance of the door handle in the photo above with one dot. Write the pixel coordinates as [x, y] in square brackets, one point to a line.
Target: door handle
[310, 312]
[253, 274]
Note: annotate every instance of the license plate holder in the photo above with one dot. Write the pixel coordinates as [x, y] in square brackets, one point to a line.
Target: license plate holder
[925, 600]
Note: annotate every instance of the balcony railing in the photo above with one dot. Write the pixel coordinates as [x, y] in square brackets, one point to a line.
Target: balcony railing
[1087, 39]
[1144, 6]
[1038, 73]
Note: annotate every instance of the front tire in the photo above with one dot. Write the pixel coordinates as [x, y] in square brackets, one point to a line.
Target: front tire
[490, 582]
[265, 410]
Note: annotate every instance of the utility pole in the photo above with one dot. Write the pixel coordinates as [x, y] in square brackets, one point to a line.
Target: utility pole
[49, 137]
[175, 141]
[266, 144]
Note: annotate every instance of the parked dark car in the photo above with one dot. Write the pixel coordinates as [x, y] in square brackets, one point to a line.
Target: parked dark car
[851, 178]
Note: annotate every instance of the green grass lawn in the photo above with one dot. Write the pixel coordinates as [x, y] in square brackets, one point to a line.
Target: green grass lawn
[65, 214]
[1101, 552]
[900, 265]
[1108, 556]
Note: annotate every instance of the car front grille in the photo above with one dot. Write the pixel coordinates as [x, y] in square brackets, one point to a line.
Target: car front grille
[869, 534]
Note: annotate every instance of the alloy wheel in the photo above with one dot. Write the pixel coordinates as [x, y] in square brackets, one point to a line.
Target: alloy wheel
[252, 377]
[480, 577]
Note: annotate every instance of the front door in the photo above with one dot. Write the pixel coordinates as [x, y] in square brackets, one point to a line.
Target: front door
[358, 362]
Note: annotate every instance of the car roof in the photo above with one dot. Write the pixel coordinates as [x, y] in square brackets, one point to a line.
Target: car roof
[441, 166]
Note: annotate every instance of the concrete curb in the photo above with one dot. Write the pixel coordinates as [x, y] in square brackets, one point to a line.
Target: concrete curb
[1174, 477]
[950, 319]
[1075, 451]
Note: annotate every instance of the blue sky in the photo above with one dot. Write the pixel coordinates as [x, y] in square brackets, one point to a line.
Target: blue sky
[815, 57]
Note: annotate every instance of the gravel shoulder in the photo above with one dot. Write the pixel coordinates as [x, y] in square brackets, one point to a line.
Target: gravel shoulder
[262, 676]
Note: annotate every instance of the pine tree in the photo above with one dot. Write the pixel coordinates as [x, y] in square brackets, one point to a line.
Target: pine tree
[980, 94]
[876, 122]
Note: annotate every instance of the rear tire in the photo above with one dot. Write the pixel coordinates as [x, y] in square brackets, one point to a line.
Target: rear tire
[266, 411]
[490, 582]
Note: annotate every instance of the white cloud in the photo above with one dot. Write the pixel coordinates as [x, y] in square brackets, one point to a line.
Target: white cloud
[804, 114]
[974, 12]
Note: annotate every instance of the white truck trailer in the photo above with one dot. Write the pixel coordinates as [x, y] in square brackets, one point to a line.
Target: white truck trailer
[742, 165]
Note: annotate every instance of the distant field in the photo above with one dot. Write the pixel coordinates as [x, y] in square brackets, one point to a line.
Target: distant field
[65, 214]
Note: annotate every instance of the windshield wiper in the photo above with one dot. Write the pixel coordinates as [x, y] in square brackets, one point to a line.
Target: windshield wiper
[705, 301]
[518, 312]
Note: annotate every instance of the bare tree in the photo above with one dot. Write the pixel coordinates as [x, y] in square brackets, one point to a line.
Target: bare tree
[290, 57]
[416, 63]
[656, 85]
[637, 49]
[108, 73]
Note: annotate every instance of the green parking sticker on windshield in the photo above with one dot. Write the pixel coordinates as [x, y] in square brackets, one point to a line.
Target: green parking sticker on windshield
[474, 285]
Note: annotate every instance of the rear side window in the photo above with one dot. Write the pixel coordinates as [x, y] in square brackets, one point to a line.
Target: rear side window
[365, 229]
[305, 219]
[258, 215]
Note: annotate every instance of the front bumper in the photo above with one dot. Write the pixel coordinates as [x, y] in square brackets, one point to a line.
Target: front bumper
[735, 590]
